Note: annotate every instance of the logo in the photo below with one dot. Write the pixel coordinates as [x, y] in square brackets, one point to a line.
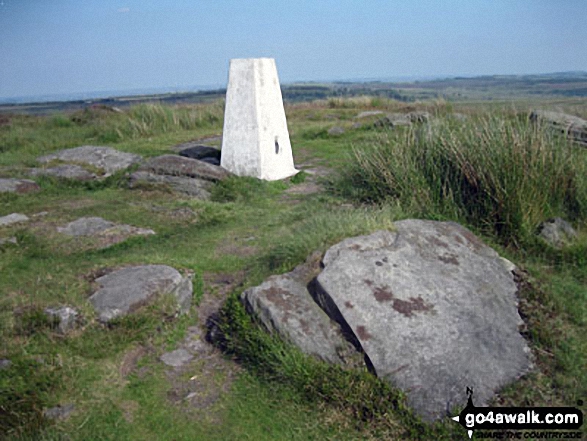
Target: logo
[520, 418]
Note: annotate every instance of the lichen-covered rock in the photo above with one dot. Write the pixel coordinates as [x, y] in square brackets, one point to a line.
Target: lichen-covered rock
[433, 308]
[127, 289]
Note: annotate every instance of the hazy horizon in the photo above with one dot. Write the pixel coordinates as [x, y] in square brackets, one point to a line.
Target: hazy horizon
[65, 47]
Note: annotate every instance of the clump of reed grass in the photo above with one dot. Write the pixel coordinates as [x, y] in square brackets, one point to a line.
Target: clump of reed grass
[497, 172]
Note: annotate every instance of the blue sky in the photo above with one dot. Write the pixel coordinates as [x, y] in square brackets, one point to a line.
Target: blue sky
[71, 46]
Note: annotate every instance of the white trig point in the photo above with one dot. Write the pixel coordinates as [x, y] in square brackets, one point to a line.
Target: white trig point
[255, 139]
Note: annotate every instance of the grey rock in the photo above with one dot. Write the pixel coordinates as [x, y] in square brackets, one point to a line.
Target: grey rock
[557, 232]
[336, 131]
[6, 240]
[571, 126]
[357, 125]
[106, 158]
[200, 152]
[369, 113]
[92, 226]
[13, 218]
[20, 186]
[65, 171]
[198, 188]
[284, 306]
[176, 358]
[65, 318]
[433, 308]
[393, 120]
[126, 289]
[173, 165]
[86, 226]
[213, 161]
[5, 363]
[59, 412]
[419, 117]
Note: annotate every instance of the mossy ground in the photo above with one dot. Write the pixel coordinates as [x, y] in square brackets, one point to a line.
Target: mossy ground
[247, 231]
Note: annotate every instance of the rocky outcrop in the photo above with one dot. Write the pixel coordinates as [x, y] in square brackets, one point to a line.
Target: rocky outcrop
[432, 308]
[105, 158]
[127, 289]
[571, 126]
[20, 186]
[64, 318]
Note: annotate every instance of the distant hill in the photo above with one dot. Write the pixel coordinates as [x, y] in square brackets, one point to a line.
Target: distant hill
[486, 87]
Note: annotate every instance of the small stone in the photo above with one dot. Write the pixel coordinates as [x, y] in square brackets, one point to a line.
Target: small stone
[6, 240]
[5, 363]
[19, 186]
[557, 232]
[336, 131]
[65, 317]
[59, 412]
[176, 358]
[13, 218]
[127, 289]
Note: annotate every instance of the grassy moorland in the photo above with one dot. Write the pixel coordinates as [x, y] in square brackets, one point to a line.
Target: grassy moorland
[259, 387]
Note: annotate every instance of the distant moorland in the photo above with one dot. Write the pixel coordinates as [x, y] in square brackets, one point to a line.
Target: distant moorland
[483, 88]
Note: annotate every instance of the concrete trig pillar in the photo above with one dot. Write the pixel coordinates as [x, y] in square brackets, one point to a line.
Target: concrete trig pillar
[255, 139]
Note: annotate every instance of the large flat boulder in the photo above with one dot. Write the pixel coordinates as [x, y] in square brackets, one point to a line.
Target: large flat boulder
[106, 158]
[174, 165]
[127, 289]
[433, 308]
[20, 186]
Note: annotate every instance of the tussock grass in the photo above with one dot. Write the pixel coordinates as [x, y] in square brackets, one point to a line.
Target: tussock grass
[499, 173]
[28, 136]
